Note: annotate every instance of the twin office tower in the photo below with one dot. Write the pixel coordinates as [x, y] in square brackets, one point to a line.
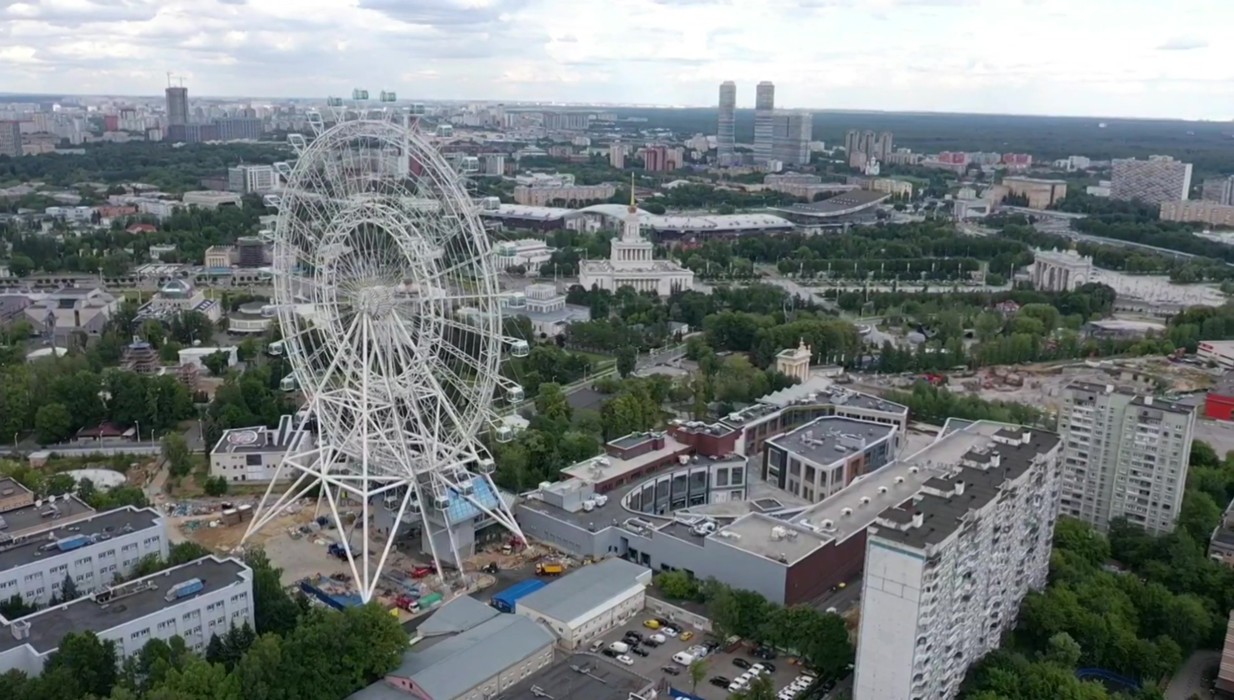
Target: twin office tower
[782, 136]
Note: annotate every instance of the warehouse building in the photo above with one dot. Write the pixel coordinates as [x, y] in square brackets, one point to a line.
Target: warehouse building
[193, 601]
[465, 651]
[589, 601]
[92, 551]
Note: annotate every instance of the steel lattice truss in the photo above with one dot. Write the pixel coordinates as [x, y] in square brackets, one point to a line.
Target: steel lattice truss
[390, 311]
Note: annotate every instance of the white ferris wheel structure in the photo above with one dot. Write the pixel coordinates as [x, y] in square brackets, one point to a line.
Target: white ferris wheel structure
[390, 310]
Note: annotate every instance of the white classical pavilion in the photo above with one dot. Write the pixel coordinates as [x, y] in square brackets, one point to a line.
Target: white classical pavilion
[631, 264]
[795, 362]
[1060, 271]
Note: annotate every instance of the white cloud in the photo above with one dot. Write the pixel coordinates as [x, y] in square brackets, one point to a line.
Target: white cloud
[1107, 57]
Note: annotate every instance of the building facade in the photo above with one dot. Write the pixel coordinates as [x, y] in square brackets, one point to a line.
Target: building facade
[1040, 193]
[1199, 212]
[1124, 455]
[764, 121]
[725, 133]
[251, 179]
[946, 571]
[1060, 271]
[193, 601]
[91, 551]
[818, 459]
[568, 195]
[1158, 180]
[791, 132]
[10, 138]
[1218, 190]
[795, 362]
[631, 264]
[254, 454]
[589, 601]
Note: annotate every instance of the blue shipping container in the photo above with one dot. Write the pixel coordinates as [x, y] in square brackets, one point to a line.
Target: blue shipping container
[506, 600]
[71, 543]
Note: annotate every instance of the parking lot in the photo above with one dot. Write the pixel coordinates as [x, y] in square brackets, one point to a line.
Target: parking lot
[718, 664]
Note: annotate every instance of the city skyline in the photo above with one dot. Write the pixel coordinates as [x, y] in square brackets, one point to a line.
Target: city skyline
[892, 55]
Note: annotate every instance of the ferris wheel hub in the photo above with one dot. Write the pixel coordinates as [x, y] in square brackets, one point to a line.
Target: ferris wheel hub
[377, 302]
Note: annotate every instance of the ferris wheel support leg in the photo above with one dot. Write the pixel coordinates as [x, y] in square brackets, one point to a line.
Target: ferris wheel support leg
[426, 531]
[385, 552]
[458, 561]
[361, 583]
[501, 514]
[265, 514]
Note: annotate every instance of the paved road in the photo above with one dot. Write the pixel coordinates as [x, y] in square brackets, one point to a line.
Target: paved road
[1190, 678]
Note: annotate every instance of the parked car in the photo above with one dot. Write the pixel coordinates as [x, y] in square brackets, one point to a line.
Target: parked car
[640, 652]
[422, 571]
[623, 659]
[651, 642]
[719, 681]
[609, 653]
[657, 638]
[669, 632]
[741, 663]
[765, 653]
[671, 670]
[631, 634]
[687, 636]
[771, 668]
[662, 621]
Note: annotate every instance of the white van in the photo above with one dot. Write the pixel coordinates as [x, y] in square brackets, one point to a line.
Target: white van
[619, 647]
[597, 645]
[683, 658]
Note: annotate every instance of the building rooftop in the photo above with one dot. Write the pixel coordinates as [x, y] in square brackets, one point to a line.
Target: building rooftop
[10, 487]
[839, 205]
[68, 509]
[579, 592]
[128, 603]
[449, 665]
[832, 438]
[260, 438]
[579, 677]
[607, 467]
[946, 500]
[1138, 400]
[770, 538]
[42, 544]
[814, 391]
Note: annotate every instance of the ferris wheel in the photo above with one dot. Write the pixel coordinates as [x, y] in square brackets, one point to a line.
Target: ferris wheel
[390, 311]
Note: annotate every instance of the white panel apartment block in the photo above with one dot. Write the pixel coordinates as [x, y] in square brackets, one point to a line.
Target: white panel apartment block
[193, 601]
[946, 572]
[92, 550]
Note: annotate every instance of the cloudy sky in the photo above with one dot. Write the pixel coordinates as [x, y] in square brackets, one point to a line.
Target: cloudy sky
[1145, 58]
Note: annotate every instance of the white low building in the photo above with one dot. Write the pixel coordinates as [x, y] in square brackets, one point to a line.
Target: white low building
[193, 601]
[254, 454]
[91, 551]
[546, 308]
[589, 601]
[631, 264]
[531, 253]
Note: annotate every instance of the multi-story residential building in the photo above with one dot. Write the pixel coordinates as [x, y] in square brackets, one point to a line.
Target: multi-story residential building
[791, 137]
[249, 179]
[947, 569]
[764, 117]
[240, 128]
[1040, 193]
[10, 138]
[1219, 190]
[1198, 211]
[1158, 180]
[1125, 455]
[92, 551]
[617, 154]
[818, 459]
[254, 454]
[1225, 672]
[543, 195]
[725, 138]
[193, 601]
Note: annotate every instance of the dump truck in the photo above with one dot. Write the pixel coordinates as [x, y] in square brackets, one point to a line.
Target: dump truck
[507, 600]
[550, 568]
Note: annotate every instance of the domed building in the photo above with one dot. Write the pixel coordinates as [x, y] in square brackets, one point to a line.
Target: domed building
[176, 296]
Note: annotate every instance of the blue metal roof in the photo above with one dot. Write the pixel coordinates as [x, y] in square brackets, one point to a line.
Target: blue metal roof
[461, 509]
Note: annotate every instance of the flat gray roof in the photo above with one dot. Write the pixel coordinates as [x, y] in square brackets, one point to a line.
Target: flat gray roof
[756, 533]
[941, 515]
[1139, 399]
[108, 524]
[585, 588]
[451, 665]
[579, 677]
[49, 626]
[832, 438]
[815, 391]
[11, 485]
[31, 517]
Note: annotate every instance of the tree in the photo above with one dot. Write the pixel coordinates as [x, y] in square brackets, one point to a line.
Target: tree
[698, 672]
[190, 326]
[68, 589]
[677, 585]
[89, 661]
[176, 453]
[14, 607]
[627, 360]
[551, 402]
[216, 486]
[273, 609]
[20, 265]
[53, 423]
[217, 362]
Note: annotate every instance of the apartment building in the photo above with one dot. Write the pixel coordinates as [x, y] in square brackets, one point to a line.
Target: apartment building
[1198, 211]
[251, 179]
[570, 195]
[790, 137]
[1124, 455]
[1040, 193]
[1157, 180]
[193, 601]
[10, 139]
[92, 551]
[1218, 190]
[764, 121]
[946, 571]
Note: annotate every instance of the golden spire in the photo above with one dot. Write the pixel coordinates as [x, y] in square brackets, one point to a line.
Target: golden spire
[633, 206]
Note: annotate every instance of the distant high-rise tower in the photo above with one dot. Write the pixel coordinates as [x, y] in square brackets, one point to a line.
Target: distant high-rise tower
[10, 138]
[728, 116]
[764, 118]
[852, 141]
[884, 145]
[177, 113]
